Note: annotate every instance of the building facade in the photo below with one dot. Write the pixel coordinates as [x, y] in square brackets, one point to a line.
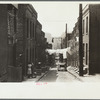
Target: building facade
[8, 31]
[56, 43]
[20, 35]
[73, 43]
[49, 38]
[26, 37]
[91, 41]
[63, 37]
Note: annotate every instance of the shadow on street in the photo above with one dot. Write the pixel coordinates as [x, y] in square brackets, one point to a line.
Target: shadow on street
[51, 76]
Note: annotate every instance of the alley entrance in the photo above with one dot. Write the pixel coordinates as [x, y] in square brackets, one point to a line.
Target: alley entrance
[58, 76]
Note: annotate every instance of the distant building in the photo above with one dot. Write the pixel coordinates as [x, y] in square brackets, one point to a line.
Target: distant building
[65, 38]
[49, 37]
[69, 36]
[49, 46]
[73, 42]
[56, 43]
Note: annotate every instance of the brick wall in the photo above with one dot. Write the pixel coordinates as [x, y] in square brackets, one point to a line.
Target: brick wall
[3, 41]
[94, 40]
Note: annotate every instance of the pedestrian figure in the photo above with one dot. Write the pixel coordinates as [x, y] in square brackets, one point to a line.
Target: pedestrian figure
[33, 71]
[29, 72]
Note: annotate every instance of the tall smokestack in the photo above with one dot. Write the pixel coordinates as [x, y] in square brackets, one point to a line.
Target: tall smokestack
[80, 42]
[66, 29]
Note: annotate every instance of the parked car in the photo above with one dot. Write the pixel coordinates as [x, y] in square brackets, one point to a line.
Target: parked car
[62, 66]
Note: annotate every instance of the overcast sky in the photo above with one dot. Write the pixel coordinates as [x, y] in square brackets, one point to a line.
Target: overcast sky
[54, 15]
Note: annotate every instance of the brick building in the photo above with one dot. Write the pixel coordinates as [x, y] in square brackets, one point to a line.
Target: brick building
[63, 43]
[8, 31]
[91, 41]
[56, 43]
[43, 47]
[19, 37]
[66, 37]
[73, 42]
[26, 36]
[91, 35]
[38, 40]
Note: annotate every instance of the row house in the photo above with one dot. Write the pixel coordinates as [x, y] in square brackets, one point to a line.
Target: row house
[91, 41]
[56, 43]
[42, 50]
[91, 35]
[26, 37]
[19, 38]
[38, 41]
[8, 31]
[69, 36]
[49, 45]
[73, 42]
[65, 39]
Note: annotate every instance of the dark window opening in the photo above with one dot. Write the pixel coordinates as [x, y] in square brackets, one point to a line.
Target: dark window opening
[33, 31]
[83, 50]
[83, 26]
[86, 52]
[86, 24]
[30, 29]
[27, 28]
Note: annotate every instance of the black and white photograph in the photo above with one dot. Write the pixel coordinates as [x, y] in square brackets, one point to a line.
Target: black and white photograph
[49, 42]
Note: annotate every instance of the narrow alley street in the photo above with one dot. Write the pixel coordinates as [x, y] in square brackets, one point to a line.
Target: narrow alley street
[58, 76]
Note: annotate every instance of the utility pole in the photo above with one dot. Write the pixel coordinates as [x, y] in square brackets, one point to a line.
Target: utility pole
[80, 42]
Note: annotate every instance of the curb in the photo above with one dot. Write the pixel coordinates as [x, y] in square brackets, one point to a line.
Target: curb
[41, 76]
[75, 76]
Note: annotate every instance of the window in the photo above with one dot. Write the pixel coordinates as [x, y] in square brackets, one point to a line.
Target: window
[15, 26]
[33, 31]
[83, 50]
[27, 28]
[10, 40]
[27, 56]
[30, 29]
[86, 24]
[83, 26]
[9, 28]
[86, 52]
[30, 55]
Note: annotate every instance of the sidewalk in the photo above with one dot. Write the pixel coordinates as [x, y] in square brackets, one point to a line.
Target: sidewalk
[85, 78]
[35, 79]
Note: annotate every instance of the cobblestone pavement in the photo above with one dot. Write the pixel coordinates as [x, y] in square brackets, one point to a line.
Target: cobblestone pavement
[58, 76]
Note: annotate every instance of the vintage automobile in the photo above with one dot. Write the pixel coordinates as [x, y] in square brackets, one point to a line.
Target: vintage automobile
[62, 66]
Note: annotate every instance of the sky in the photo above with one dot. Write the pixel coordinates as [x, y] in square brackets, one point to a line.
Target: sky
[54, 15]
